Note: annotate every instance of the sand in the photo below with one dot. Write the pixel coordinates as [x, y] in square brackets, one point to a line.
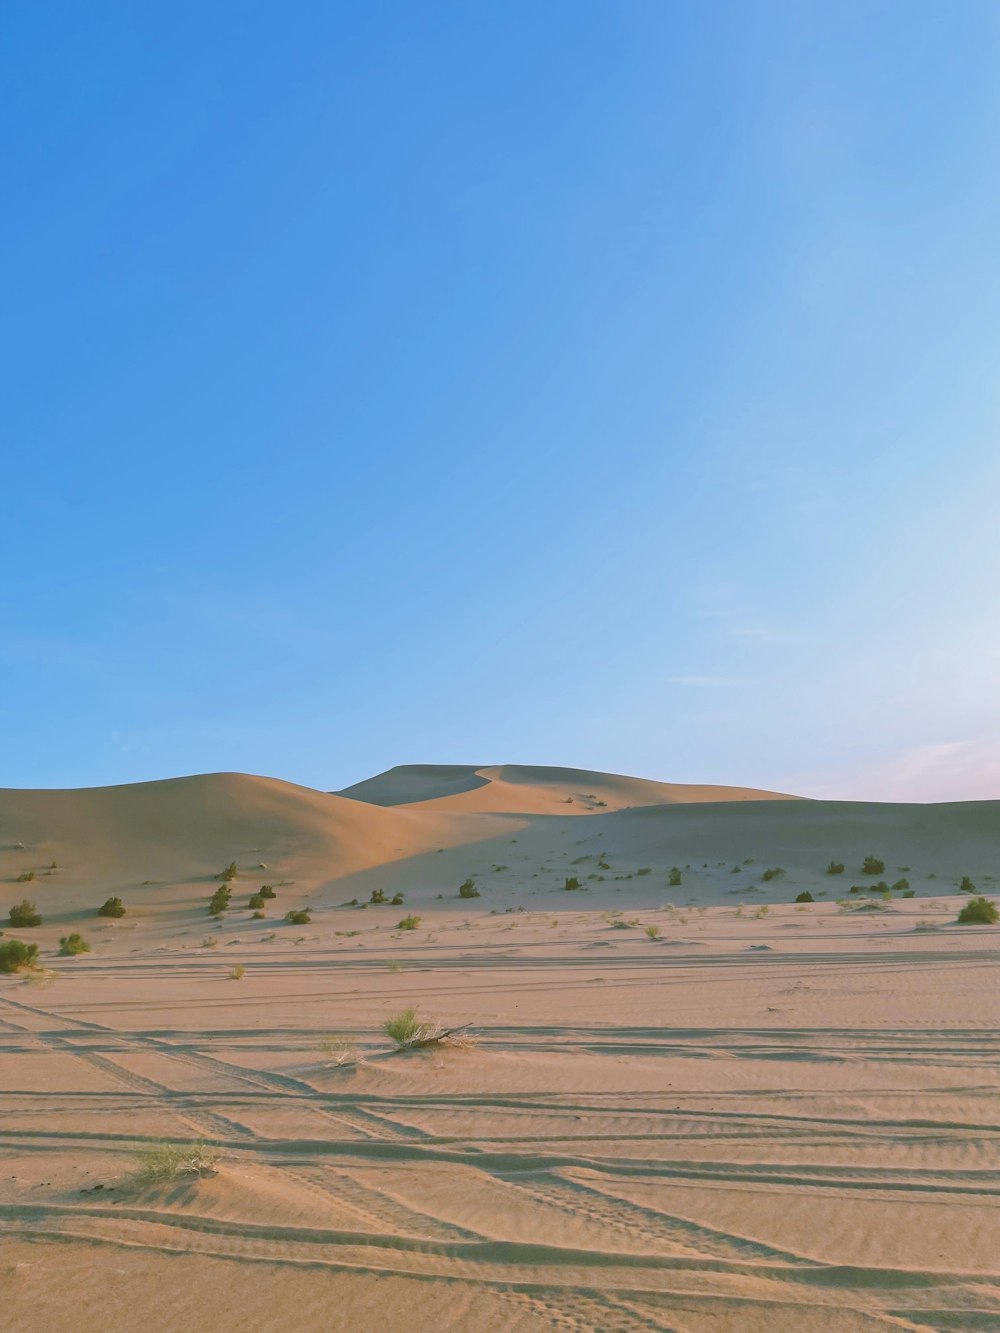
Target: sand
[753, 1115]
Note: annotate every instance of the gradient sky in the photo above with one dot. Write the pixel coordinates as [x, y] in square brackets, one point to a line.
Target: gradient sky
[585, 383]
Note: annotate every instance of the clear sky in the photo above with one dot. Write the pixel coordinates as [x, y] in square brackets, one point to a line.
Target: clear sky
[586, 383]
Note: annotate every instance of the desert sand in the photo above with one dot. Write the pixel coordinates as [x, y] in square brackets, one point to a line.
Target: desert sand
[699, 1107]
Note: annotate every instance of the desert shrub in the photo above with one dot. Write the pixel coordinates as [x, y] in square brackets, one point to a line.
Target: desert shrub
[674, 877]
[267, 891]
[804, 897]
[644, 870]
[909, 893]
[835, 868]
[73, 944]
[341, 1050]
[15, 955]
[405, 1028]
[880, 887]
[229, 874]
[378, 896]
[220, 900]
[210, 942]
[111, 907]
[979, 912]
[25, 913]
[858, 888]
[775, 872]
[25, 877]
[255, 902]
[901, 884]
[966, 885]
[157, 1163]
[872, 866]
[468, 889]
[761, 911]
[396, 900]
[237, 973]
[258, 915]
[653, 932]
[571, 882]
[299, 918]
[408, 923]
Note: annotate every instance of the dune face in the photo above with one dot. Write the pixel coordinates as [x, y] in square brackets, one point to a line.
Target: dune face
[526, 789]
[690, 1102]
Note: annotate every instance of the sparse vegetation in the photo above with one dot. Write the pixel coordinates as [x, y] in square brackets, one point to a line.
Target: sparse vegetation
[378, 896]
[644, 870]
[571, 882]
[267, 891]
[966, 886]
[835, 868]
[229, 874]
[25, 877]
[674, 878]
[653, 932]
[237, 973]
[256, 902]
[468, 889]
[396, 900]
[219, 900]
[73, 944]
[775, 872]
[901, 884]
[873, 866]
[159, 1162]
[979, 912]
[298, 918]
[804, 897]
[408, 923]
[24, 914]
[111, 907]
[406, 1029]
[761, 911]
[16, 956]
[341, 1050]
[909, 893]
[258, 916]
[210, 942]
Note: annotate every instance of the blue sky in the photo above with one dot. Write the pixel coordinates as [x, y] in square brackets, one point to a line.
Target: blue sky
[610, 385]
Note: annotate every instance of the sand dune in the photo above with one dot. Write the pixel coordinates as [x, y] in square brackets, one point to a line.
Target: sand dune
[689, 1107]
[527, 789]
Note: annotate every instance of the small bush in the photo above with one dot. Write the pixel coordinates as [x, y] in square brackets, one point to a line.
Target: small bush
[468, 889]
[258, 916]
[111, 907]
[73, 944]
[299, 918]
[25, 913]
[341, 1050]
[804, 897]
[267, 891]
[406, 1029]
[901, 884]
[873, 866]
[16, 956]
[979, 912]
[396, 900]
[674, 877]
[835, 868]
[25, 877]
[160, 1162]
[966, 885]
[775, 872]
[408, 923]
[858, 888]
[210, 942]
[653, 932]
[644, 870]
[909, 893]
[219, 900]
[378, 896]
[571, 882]
[237, 973]
[255, 902]
[229, 874]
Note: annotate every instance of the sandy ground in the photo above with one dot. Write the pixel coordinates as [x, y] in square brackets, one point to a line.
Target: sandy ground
[696, 1107]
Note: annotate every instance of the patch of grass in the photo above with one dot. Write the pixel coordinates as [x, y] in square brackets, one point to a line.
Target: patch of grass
[113, 907]
[761, 911]
[674, 878]
[653, 932]
[16, 956]
[25, 877]
[909, 893]
[571, 882]
[258, 915]
[159, 1162]
[408, 923]
[237, 973]
[70, 945]
[901, 885]
[775, 872]
[405, 1028]
[835, 868]
[979, 912]
[298, 918]
[24, 914]
[644, 870]
[341, 1050]
[873, 866]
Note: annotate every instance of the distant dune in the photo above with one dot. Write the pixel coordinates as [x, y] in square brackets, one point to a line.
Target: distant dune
[527, 789]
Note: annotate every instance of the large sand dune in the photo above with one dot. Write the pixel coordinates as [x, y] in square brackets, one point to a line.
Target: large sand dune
[697, 1107]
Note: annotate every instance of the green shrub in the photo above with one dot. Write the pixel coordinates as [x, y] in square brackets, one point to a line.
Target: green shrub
[229, 874]
[161, 1162]
[396, 900]
[111, 907]
[835, 868]
[901, 884]
[220, 900]
[378, 896]
[776, 872]
[15, 955]
[571, 882]
[258, 916]
[468, 889]
[255, 902]
[267, 891]
[299, 918]
[73, 944]
[804, 897]
[858, 888]
[674, 877]
[979, 912]
[653, 932]
[237, 973]
[25, 913]
[644, 870]
[406, 1029]
[25, 877]
[909, 893]
[966, 885]
[408, 923]
[873, 866]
